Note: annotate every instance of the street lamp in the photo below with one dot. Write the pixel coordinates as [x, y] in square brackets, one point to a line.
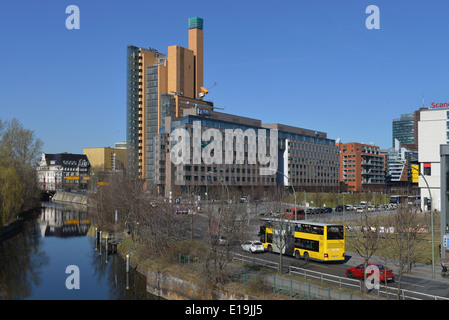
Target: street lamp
[431, 219]
[220, 179]
[205, 183]
[294, 192]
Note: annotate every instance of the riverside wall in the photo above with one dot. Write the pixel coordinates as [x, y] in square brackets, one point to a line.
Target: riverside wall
[171, 286]
[70, 197]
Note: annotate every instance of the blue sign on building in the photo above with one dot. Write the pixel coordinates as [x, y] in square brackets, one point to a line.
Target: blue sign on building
[203, 112]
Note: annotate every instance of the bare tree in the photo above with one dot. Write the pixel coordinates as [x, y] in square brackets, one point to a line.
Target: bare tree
[227, 227]
[407, 236]
[365, 236]
[282, 232]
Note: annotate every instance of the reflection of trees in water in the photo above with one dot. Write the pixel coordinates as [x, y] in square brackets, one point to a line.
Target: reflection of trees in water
[114, 271]
[21, 262]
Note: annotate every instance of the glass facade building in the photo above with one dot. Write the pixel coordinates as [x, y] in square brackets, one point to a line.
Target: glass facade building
[306, 159]
[404, 129]
[133, 95]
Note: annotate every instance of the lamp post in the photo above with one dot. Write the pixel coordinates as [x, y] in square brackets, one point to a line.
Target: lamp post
[431, 219]
[294, 192]
[220, 179]
[205, 183]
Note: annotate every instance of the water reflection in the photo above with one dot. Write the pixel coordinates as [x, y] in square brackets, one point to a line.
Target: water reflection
[33, 263]
[64, 220]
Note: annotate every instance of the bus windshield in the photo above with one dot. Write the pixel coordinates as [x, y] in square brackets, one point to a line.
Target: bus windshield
[335, 233]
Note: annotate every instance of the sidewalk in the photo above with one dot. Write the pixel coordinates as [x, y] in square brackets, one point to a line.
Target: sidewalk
[420, 271]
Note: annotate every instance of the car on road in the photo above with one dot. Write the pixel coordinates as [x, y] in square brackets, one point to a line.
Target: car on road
[339, 208]
[181, 211]
[328, 210]
[219, 239]
[253, 246]
[358, 272]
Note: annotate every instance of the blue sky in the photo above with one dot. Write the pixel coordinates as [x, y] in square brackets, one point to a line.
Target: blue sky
[311, 64]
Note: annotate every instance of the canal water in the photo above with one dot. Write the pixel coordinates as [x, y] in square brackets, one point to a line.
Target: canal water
[55, 252]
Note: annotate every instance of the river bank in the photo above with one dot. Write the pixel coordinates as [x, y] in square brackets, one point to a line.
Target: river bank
[171, 281]
[15, 226]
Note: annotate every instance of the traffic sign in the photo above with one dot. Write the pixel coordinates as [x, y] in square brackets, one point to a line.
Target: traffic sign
[446, 240]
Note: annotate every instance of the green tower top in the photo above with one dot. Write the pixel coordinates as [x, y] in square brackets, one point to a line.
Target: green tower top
[196, 23]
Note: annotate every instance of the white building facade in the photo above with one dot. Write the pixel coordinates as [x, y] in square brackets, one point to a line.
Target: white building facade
[56, 170]
[433, 131]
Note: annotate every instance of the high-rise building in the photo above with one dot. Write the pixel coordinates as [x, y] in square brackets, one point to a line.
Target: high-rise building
[160, 85]
[362, 167]
[405, 130]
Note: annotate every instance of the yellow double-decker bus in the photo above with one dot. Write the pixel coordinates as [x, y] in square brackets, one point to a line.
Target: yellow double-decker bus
[300, 238]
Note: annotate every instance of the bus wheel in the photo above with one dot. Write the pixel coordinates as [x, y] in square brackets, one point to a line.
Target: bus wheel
[306, 256]
[270, 248]
[297, 254]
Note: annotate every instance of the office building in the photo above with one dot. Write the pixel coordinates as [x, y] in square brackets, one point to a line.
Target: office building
[304, 159]
[106, 159]
[401, 167]
[362, 167]
[433, 131]
[160, 85]
[405, 130]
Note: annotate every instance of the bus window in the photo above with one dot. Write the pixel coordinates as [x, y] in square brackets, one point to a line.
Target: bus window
[305, 228]
[335, 233]
[312, 245]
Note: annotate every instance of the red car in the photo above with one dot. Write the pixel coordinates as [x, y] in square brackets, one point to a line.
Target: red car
[358, 272]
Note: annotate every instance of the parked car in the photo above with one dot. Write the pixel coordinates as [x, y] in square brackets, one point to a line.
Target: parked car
[310, 211]
[327, 210]
[218, 239]
[253, 246]
[339, 208]
[181, 211]
[359, 271]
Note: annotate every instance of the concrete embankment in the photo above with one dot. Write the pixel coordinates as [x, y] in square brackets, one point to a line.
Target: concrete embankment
[172, 286]
[70, 197]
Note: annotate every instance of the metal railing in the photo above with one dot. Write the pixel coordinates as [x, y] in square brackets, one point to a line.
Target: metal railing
[288, 286]
[256, 262]
[383, 291]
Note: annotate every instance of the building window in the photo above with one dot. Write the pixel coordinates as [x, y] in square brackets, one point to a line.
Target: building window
[427, 169]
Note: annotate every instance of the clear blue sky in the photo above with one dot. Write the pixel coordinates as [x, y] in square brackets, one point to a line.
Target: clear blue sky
[311, 64]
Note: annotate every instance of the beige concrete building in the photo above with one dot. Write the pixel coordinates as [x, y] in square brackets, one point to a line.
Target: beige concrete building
[160, 85]
[106, 159]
